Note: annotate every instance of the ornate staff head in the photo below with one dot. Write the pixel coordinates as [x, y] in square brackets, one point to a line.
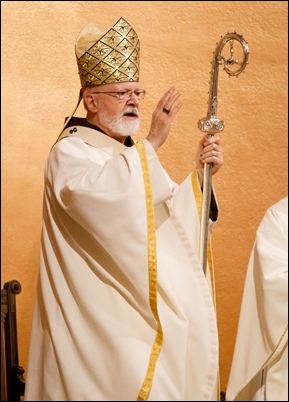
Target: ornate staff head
[211, 124]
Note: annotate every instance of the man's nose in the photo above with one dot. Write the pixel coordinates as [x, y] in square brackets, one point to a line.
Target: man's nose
[133, 99]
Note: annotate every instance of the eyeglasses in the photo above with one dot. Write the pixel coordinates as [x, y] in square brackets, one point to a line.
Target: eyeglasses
[125, 95]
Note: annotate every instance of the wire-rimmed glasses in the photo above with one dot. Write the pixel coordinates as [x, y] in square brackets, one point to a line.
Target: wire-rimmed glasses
[125, 94]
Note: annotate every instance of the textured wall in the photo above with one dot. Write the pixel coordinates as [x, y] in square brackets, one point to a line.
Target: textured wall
[40, 87]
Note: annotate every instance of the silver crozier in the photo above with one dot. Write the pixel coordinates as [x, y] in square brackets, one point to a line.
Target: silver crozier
[211, 124]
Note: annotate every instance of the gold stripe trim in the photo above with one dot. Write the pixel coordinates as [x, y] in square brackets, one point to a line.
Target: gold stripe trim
[197, 192]
[273, 353]
[152, 268]
[199, 200]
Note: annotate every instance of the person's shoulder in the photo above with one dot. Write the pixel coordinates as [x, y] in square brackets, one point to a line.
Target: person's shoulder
[275, 221]
[277, 216]
[68, 147]
[280, 206]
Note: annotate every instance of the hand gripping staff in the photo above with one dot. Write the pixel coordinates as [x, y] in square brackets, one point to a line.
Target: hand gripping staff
[211, 124]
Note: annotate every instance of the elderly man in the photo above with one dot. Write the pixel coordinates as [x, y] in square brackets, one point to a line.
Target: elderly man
[123, 310]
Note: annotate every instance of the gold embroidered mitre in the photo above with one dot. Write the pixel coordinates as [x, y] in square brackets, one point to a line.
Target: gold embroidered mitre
[112, 57]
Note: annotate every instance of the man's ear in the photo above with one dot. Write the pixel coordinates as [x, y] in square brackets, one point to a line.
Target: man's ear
[90, 103]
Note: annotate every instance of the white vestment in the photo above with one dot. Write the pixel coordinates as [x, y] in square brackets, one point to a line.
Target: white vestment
[259, 368]
[93, 327]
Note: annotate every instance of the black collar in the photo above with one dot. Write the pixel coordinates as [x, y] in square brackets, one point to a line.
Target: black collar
[81, 121]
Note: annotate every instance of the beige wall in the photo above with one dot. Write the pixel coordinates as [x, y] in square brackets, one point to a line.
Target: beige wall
[40, 87]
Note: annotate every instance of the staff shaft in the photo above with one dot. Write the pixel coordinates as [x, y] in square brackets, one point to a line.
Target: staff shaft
[206, 206]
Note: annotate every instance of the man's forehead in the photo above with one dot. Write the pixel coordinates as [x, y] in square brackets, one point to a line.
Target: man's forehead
[118, 86]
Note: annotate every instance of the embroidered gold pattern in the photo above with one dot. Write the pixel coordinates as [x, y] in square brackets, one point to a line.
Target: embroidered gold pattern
[113, 58]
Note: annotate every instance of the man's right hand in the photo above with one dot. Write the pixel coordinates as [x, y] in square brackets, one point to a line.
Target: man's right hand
[163, 115]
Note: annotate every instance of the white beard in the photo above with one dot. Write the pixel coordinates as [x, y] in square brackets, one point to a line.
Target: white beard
[120, 125]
